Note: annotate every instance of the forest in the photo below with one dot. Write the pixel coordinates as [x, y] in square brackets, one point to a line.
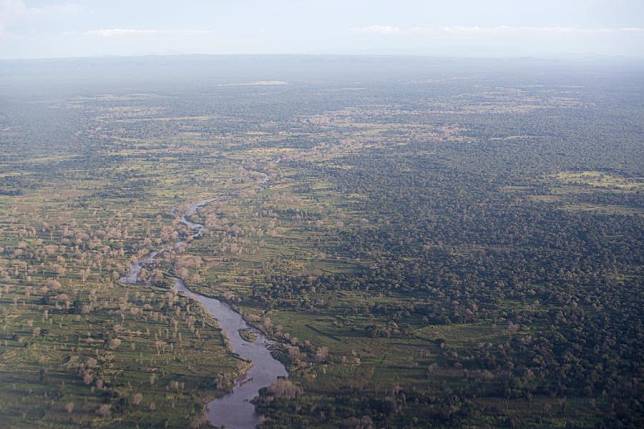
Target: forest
[452, 245]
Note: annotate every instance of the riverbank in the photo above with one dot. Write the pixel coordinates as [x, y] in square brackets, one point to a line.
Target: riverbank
[235, 409]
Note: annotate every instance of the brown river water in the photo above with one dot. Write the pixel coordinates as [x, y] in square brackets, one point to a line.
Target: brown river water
[234, 410]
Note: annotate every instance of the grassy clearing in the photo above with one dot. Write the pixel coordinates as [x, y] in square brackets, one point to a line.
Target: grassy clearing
[602, 180]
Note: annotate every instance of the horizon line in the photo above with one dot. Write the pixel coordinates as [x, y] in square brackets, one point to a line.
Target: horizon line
[558, 57]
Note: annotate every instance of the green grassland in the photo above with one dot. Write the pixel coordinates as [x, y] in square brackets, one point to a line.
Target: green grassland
[89, 351]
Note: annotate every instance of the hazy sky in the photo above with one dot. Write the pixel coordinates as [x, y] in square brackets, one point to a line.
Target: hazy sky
[75, 28]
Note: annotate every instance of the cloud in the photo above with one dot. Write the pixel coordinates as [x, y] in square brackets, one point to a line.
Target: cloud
[121, 32]
[503, 39]
[386, 30]
[378, 29]
[138, 32]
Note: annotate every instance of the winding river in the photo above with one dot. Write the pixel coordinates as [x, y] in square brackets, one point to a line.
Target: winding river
[234, 410]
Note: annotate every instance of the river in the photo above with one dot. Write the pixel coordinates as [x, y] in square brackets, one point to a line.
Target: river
[234, 410]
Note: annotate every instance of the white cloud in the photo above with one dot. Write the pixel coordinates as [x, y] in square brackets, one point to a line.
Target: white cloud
[121, 32]
[495, 30]
[503, 39]
[378, 29]
[138, 32]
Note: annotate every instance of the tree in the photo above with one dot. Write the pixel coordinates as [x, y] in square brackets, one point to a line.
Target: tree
[284, 388]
